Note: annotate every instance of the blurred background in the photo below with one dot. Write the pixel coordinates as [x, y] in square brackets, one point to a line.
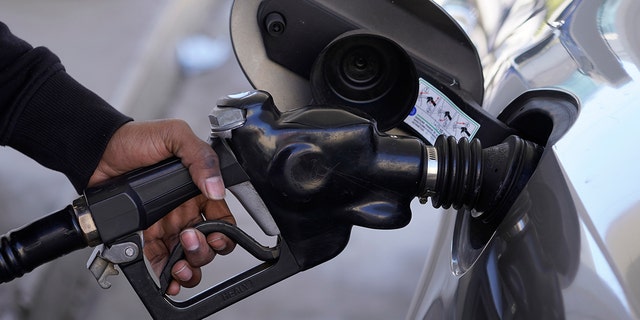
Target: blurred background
[173, 59]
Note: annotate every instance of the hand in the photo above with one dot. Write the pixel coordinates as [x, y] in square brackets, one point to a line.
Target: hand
[140, 144]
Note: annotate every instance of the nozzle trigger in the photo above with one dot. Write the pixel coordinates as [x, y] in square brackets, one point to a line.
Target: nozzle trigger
[245, 241]
[278, 264]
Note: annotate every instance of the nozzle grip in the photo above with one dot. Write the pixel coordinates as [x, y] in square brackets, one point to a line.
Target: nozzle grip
[138, 199]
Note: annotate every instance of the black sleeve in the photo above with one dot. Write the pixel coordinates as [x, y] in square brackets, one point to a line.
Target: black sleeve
[47, 115]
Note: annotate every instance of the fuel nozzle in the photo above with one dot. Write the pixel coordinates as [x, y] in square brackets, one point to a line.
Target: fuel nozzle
[318, 167]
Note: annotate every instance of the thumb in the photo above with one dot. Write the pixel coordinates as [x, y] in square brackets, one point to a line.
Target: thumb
[198, 157]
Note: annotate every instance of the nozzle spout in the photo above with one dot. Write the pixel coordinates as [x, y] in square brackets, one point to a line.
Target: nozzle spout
[467, 176]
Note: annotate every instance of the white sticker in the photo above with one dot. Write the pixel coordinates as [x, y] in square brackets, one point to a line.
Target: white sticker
[434, 114]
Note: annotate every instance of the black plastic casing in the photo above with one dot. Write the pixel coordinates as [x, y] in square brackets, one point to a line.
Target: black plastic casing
[138, 199]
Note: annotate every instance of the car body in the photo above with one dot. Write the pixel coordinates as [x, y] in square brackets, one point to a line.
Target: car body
[568, 246]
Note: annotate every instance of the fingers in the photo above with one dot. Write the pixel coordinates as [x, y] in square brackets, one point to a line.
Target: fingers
[199, 251]
[173, 289]
[218, 210]
[161, 238]
[185, 276]
[220, 243]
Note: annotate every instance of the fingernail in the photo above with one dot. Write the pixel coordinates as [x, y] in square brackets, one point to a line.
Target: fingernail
[218, 244]
[184, 274]
[189, 240]
[215, 188]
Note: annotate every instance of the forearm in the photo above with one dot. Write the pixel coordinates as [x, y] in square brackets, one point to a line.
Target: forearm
[47, 115]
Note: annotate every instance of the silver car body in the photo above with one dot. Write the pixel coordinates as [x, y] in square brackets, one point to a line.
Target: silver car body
[568, 248]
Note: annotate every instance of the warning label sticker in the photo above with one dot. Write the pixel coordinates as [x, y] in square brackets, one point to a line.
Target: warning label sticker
[434, 114]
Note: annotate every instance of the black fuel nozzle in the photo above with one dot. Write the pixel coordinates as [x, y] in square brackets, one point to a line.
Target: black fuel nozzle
[323, 169]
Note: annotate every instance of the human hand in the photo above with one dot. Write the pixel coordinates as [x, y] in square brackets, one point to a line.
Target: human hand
[140, 144]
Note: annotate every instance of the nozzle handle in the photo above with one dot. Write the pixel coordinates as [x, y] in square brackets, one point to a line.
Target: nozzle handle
[136, 200]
